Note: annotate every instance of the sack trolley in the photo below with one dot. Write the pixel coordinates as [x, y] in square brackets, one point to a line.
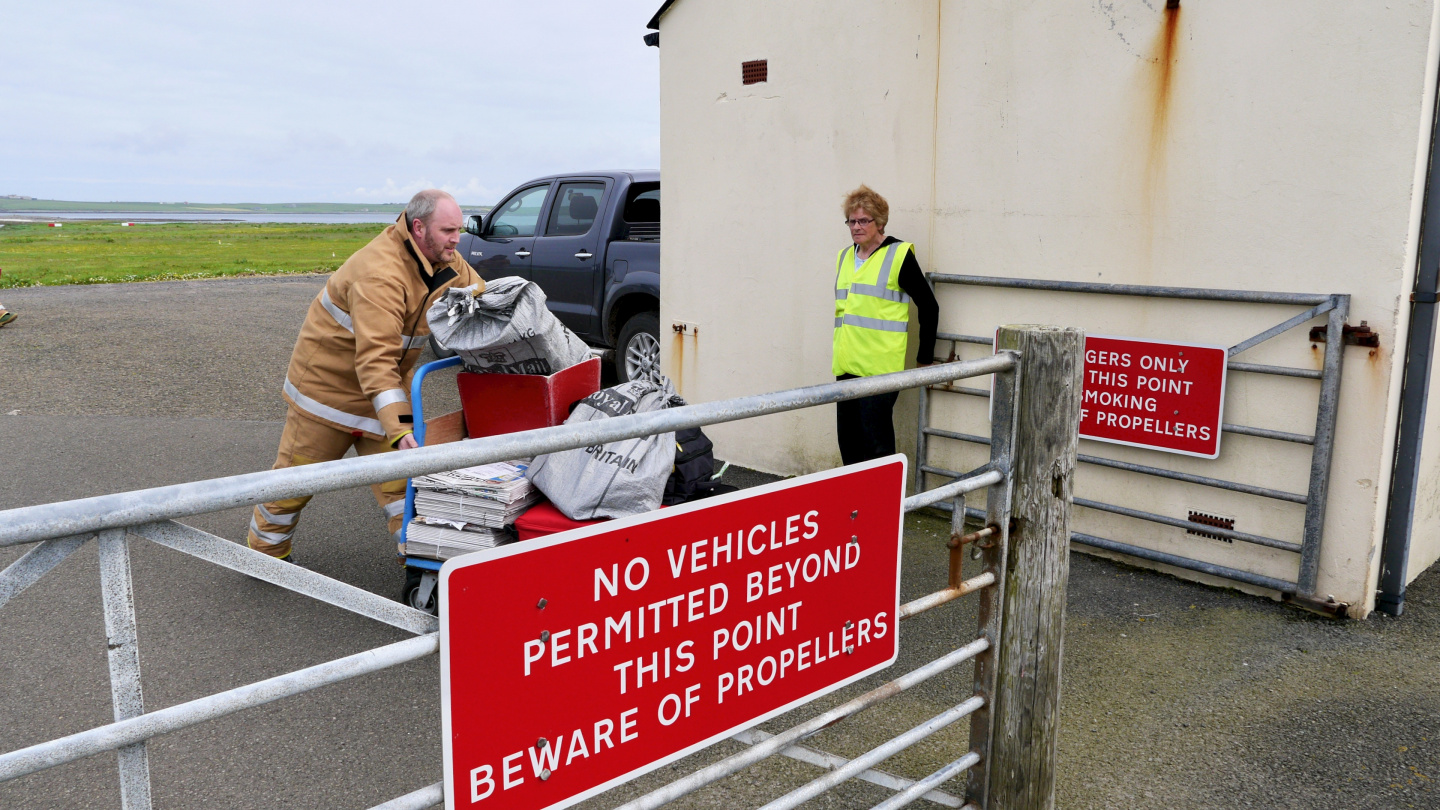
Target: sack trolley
[490, 404]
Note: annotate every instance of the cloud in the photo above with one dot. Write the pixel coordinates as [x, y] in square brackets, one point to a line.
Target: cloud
[320, 101]
[472, 192]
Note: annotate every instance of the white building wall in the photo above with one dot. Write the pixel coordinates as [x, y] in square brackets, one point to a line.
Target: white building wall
[1237, 145]
[754, 178]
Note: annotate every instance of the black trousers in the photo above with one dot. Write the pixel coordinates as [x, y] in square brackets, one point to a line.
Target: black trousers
[865, 426]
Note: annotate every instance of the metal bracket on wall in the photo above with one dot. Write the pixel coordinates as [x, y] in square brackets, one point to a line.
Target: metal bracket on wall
[1361, 335]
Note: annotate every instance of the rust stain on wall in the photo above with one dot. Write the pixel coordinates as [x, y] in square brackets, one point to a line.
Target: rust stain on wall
[1378, 364]
[1164, 62]
[1152, 107]
[677, 362]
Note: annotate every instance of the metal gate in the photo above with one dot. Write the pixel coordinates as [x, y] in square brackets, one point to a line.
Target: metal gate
[59, 529]
[1333, 307]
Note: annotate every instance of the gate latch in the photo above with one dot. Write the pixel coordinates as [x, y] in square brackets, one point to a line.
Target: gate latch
[1361, 335]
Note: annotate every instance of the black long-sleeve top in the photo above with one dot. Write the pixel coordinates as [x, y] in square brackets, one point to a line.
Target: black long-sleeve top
[913, 282]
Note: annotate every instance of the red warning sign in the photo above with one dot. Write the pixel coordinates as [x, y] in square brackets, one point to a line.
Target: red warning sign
[577, 661]
[1155, 394]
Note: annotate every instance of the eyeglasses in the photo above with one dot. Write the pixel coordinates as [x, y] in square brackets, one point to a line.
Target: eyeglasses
[859, 223]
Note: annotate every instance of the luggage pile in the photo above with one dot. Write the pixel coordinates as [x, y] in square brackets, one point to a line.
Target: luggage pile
[466, 510]
[505, 328]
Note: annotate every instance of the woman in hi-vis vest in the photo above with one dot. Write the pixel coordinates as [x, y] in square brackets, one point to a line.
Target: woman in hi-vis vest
[876, 280]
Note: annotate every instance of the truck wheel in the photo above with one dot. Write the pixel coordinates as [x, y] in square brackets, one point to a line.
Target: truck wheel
[637, 357]
[440, 351]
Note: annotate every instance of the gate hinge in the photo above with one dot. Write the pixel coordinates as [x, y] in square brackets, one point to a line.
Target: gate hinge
[1361, 335]
[1424, 298]
[1327, 606]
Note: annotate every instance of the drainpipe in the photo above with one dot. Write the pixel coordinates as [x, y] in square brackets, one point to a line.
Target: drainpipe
[1414, 396]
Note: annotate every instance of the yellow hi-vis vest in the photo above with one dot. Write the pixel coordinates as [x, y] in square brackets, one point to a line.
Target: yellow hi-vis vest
[872, 315]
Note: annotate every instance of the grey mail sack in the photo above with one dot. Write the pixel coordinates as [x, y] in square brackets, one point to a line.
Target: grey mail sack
[504, 330]
[616, 479]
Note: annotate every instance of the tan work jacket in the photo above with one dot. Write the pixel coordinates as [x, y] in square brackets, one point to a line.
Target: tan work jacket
[356, 353]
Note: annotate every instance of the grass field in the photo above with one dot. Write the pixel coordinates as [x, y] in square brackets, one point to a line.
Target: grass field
[104, 252]
[177, 209]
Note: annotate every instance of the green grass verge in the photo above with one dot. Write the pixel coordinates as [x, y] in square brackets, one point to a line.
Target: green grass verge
[104, 252]
[63, 206]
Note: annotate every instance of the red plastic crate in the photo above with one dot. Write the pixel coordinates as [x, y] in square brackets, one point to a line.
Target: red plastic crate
[505, 403]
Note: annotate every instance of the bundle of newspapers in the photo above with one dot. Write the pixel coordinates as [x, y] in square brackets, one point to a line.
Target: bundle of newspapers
[466, 510]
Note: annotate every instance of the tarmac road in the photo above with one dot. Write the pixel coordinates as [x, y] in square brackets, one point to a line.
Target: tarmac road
[1175, 695]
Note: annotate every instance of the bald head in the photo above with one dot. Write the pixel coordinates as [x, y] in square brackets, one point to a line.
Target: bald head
[435, 224]
[422, 206]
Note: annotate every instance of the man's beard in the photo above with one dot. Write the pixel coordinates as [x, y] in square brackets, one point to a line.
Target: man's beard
[436, 247]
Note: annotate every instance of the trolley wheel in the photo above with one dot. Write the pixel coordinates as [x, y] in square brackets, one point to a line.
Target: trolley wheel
[412, 581]
[421, 590]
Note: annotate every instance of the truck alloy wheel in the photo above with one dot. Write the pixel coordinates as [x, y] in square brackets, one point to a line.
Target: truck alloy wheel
[638, 357]
[440, 351]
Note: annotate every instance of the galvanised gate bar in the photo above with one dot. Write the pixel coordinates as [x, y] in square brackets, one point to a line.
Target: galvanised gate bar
[1011, 709]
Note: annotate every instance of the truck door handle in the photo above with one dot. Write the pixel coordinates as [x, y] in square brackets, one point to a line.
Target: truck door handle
[521, 253]
[584, 254]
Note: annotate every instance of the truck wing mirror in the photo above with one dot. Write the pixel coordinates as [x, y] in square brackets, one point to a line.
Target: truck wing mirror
[475, 224]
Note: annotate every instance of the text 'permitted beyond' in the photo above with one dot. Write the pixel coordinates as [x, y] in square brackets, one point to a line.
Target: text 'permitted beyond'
[574, 662]
[1146, 393]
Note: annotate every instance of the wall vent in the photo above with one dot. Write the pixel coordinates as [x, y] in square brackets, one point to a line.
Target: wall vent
[1211, 520]
[754, 72]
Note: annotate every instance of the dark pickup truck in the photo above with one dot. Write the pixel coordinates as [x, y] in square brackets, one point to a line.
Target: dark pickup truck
[592, 243]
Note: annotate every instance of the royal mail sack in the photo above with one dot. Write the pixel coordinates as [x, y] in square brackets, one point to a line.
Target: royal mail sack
[616, 479]
[506, 329]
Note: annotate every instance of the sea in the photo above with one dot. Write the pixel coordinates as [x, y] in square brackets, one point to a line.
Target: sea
[151, 217]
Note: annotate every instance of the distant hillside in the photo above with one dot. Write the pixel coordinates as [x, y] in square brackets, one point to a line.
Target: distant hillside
[15, 204]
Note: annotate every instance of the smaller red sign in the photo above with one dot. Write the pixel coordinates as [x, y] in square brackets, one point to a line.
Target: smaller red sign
[1156, 394]
[573, 662]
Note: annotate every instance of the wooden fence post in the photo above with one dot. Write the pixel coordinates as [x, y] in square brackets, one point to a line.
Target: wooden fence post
[1026, 662]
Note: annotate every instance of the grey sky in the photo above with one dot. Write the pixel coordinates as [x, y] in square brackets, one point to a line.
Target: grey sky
[291, 101]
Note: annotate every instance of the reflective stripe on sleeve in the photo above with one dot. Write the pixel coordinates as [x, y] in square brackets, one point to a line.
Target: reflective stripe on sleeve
[324, 411]
[880, 292]
[341, 316]
[385, 398]
[394, 509]
[878, 324]
[273, 538]
[838, 322]
[407, 342]
[278, 520]
[841, 295]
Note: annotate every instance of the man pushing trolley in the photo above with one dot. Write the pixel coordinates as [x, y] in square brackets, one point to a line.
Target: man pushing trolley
[350, 371]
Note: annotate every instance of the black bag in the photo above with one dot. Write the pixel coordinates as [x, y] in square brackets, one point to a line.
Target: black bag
[692, 477]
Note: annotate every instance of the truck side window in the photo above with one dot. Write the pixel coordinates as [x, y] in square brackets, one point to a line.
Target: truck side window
[519, 215]
[643, 206]
[575, 209]
[642, 213]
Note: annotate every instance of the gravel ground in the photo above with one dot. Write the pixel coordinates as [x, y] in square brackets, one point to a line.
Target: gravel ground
[1175, 695]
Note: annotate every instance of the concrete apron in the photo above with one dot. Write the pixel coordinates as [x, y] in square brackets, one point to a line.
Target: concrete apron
[1176, 695]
